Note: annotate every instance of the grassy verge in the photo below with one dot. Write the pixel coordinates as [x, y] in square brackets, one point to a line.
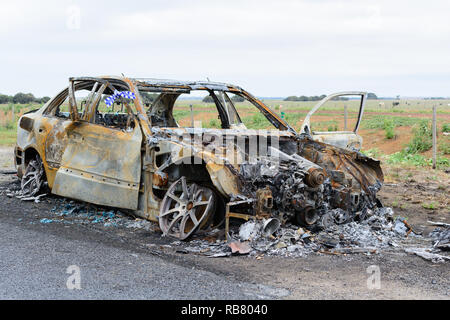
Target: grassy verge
[380, 121]
[9, 115]
[8, 136]
[408, 159]
[417, 160]
[420, 142]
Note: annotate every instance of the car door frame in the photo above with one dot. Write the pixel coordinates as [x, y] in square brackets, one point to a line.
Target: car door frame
[343, 139]
[100, 165]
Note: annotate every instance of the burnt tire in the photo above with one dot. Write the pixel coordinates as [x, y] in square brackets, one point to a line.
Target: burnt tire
[34, 177]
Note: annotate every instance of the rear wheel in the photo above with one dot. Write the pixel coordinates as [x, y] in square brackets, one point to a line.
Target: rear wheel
[185, 208]
[34, 177]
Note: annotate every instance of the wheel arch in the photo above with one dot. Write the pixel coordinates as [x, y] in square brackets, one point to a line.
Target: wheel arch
[28, 154]
[221, 175]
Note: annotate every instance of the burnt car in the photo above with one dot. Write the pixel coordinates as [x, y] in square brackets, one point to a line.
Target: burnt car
[100, 140]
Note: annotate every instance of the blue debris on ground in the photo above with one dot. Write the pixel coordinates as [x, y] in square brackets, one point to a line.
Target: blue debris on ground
[74, 212]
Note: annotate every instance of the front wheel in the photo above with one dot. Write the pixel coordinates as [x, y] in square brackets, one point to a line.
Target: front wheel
[186, 207]
[34, 177]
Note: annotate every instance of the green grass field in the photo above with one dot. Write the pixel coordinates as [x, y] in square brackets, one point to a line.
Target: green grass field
[383, 124]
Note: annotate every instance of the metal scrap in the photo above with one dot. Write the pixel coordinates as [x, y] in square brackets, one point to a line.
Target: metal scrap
[239, 247]
[441, 237]
[426, 254]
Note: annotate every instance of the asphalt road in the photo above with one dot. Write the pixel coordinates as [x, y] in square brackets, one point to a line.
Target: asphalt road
[34, 262]
[137, 263]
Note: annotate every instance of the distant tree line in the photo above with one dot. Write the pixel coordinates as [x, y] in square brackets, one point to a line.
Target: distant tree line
[22, 98]
[208, 99]
[149, 97]
[370, 95]
[237, 98]
[305, 98]
[234, 98]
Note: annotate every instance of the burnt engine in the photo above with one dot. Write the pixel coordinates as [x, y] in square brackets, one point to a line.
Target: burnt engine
[302, 191]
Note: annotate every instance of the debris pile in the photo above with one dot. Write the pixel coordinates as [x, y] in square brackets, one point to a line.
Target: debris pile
[440, 238]
[375, 229]
[379, 230]
[258, 238]
[15, 191]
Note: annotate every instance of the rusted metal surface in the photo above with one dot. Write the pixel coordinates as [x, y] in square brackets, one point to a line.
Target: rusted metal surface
[100, 167]
[264, 202]
[131, 159]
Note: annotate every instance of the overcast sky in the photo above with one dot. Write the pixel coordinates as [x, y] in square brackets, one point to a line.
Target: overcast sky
[270, 48]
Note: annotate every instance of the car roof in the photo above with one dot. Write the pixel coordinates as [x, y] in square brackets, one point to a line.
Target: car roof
[182, 84]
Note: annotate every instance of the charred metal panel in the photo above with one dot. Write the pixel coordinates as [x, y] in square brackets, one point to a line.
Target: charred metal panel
[56, 141]
[101, 165]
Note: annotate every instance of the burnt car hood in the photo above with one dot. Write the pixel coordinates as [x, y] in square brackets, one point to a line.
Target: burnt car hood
[349, 171]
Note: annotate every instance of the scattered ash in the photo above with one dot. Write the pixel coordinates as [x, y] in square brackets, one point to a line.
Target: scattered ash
[13, 190]
[380, 231]
[441, 238]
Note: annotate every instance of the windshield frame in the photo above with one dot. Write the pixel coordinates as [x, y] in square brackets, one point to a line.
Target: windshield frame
[166, 86]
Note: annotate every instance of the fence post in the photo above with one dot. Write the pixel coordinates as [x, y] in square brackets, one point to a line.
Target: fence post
[434, 137]
[192, 115]
[345, 117]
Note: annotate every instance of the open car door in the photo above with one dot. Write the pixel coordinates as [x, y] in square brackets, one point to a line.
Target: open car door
[100, 164]
[343, 139]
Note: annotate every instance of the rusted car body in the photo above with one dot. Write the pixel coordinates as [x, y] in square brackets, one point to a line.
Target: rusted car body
[190, 178]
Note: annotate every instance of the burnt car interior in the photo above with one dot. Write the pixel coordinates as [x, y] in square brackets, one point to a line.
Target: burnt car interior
[161, 111]
[88, 96]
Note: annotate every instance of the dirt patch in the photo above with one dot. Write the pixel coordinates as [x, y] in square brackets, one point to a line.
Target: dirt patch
[377, 139]
[418, 194]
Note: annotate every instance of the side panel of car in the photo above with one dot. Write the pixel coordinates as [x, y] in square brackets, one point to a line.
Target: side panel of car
[83, 159]
[101, 165]
[96, 163]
